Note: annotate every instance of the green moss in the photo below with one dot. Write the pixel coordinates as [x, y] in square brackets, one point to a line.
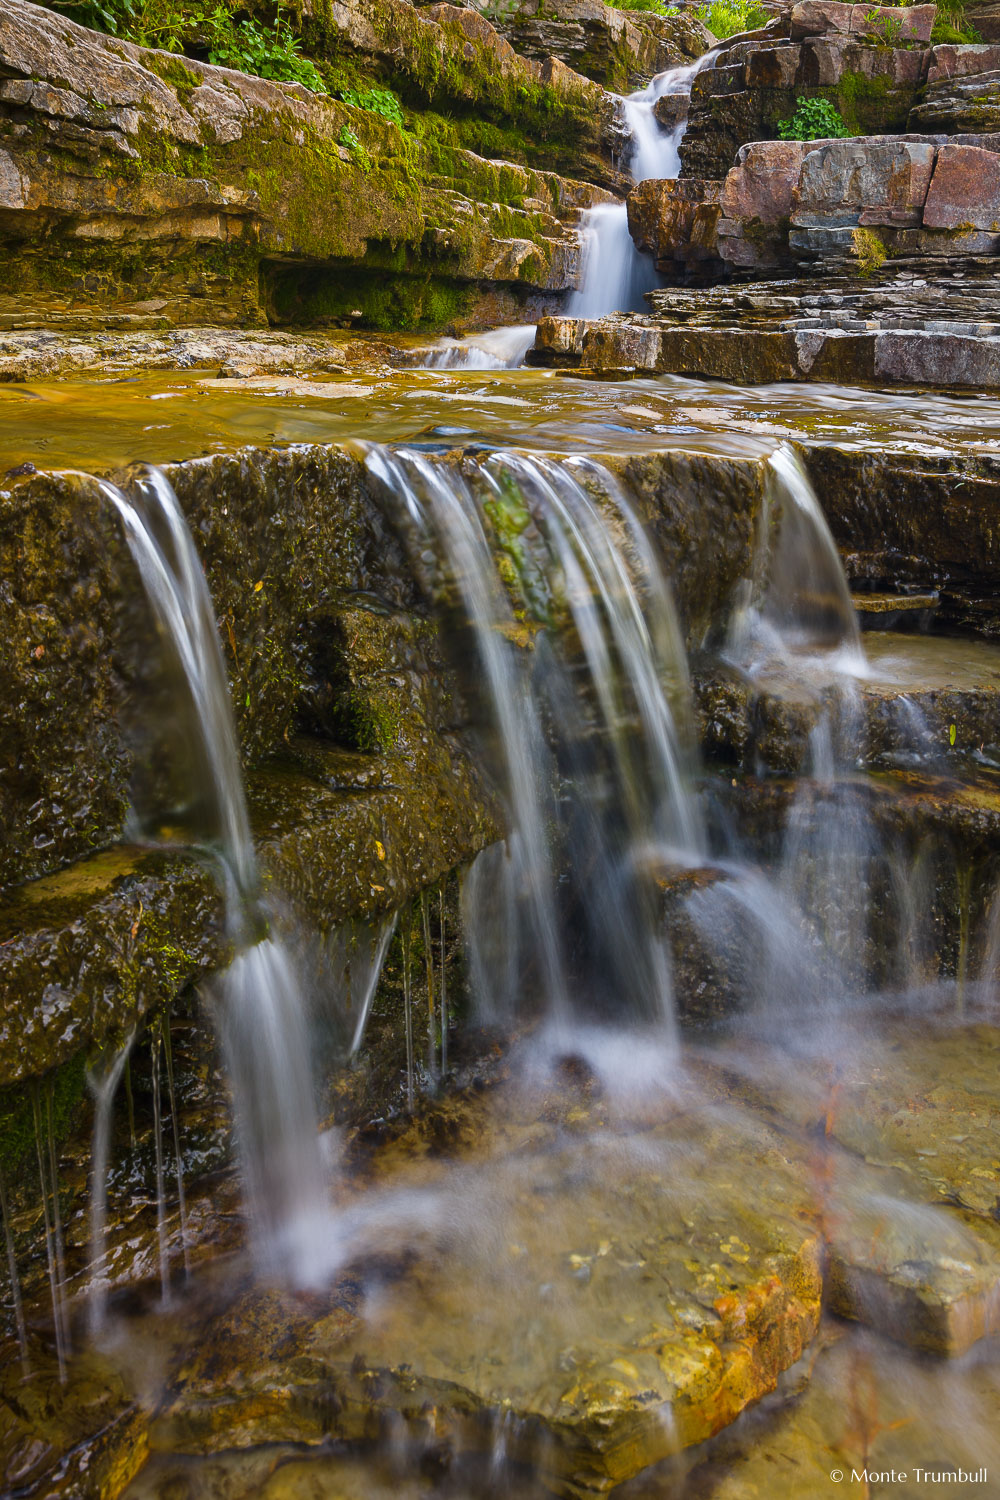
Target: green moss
[364, 722]
[870, 250]
[331, 296]
[18, 1158]
[871, 106]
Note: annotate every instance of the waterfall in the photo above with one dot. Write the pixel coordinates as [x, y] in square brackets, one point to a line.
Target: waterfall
[580, 681]
[259, 1009]
[615, 275]
[496, 349]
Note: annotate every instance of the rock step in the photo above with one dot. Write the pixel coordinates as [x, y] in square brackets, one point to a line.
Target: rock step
[113, 938]
[895, 611]
[918, 688]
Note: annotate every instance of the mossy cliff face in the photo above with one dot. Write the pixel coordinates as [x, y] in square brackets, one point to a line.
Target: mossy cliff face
[140, 187]
[288, 540]
[325, 637]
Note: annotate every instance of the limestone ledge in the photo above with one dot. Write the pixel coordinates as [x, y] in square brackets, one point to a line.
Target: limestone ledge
[621, 49]
[136, 181]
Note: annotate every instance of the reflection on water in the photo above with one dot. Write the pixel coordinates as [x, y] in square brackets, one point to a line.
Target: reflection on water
[166, 417]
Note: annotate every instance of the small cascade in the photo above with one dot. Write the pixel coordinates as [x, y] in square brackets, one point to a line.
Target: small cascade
[496, 349]
[259, 1008]
[353, 962]
[103, 1075]
[615, 276]
[797, 615]
[587, 734]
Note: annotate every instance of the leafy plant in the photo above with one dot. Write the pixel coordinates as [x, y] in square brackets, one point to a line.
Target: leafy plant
[377, 101]
[813, 120]
[657, 7]
[887, 30]
[725, 18]
[272, 53]
[203, 30]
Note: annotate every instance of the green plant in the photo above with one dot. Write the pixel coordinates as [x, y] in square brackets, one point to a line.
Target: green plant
[203, 30]
[269, 53]
[359, 155]
[377, 101]
[726, 18]
[813, 120]
[656, 6]
[887, 30]
[870, 253]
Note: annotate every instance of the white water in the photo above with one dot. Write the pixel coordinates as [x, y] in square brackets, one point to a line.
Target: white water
[615, 275]
[496, 349]
[587, 735]
[260, 1011]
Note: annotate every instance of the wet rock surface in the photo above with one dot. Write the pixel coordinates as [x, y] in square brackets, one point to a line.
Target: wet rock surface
[888, 332]
[915, 690]
[664, 1303]
[620, 49]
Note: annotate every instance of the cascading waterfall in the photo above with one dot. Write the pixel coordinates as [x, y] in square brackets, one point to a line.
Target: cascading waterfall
[615, 275]
[257, 1002]
[586, 731]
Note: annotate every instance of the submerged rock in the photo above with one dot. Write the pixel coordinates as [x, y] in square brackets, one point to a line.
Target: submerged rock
[661, 1305]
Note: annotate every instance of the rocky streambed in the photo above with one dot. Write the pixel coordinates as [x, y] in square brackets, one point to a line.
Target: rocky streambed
[619, 736]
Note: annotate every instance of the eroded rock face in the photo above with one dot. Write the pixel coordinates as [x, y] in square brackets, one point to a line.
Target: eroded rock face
[788, 203]
[169, 190]
[619, 49]
[676, 221]
[962, 104]
[843, 53]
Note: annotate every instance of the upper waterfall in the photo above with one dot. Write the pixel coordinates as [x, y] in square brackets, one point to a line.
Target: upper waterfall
[616, 276]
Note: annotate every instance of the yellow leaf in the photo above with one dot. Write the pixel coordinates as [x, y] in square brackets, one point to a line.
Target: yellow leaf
[258, 585]
[379, 849]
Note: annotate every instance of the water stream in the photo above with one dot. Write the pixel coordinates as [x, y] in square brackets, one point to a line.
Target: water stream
[616, 276]
[257, 1001]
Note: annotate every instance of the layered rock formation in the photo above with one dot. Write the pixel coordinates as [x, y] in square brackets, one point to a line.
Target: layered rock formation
[146, 188]
[870, 63]
[620, 49]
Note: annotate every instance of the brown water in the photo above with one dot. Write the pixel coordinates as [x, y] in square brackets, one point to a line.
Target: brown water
[102, 423]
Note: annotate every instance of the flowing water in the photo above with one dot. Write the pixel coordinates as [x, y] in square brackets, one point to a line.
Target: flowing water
[615, 275]
[592, 729]
[257, 1002]
[587, 1213]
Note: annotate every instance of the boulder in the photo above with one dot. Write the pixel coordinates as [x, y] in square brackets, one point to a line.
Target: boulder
[826, 61]
[829, 18]
[773, 67]
[911, 23]
[847, 182]
[950, 61]
[965, 190]
[675, 220]
[762, 184]
[820, 18]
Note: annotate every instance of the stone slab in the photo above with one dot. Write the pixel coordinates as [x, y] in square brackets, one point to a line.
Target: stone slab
[965, 190]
